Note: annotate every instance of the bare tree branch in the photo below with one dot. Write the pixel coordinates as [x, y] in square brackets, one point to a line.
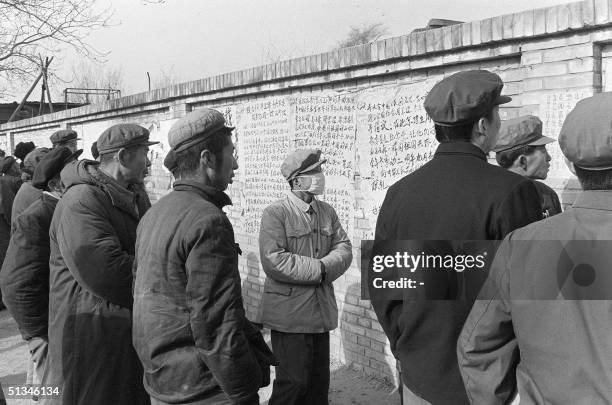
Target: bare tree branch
[165, 78]
[32, 27]
[363, 34]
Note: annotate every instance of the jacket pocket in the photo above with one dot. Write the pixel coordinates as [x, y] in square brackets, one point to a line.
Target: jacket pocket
[278, 289]
[297, 231]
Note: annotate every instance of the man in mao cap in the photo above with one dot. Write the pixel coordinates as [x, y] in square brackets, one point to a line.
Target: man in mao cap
[455, 196]
[561, 328]
[65, 137]
[303, 250]
[521, 148]
[190, 329]
[27, 193]
[24, 278]
[93, 234]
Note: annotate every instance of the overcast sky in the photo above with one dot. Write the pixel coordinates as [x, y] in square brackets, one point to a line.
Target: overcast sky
[200, 38]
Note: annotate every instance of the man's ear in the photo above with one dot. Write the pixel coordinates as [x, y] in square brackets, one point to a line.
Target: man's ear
[123, 156]
[54, 185]
[482, 125]
[522, 161]
[207, 158]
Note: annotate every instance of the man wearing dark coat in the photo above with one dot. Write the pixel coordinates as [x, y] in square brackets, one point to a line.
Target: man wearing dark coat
[521, 148]
[93, 234]
[24, 278]
[190, 328]
[10, 181]
[455, 196]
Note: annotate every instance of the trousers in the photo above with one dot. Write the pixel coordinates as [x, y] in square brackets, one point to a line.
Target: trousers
[302, 376]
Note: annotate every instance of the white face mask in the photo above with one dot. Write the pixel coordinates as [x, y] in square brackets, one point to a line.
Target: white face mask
[317, 183]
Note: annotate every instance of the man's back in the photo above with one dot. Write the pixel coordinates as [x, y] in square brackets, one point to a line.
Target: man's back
[565, 346]
[25, 196]
[456, 196]
[92, 236]
[189, 317]
[25, 272]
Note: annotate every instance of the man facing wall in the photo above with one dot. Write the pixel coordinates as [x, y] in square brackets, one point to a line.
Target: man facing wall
[457, 195]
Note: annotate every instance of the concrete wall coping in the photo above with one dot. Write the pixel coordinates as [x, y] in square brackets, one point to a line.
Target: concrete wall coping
[542, 22]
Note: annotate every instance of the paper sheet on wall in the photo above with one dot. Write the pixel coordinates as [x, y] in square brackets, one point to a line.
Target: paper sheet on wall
[264, 138]
[159, 181]
[394, 137]
[553, 111]
[327, 122]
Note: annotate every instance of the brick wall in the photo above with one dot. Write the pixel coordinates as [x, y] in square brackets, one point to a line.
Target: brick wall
[549, 58]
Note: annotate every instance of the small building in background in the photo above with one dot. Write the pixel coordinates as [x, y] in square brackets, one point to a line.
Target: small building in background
[30, 109]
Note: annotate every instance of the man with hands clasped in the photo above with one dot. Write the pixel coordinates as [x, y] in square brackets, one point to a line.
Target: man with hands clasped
[303, 251]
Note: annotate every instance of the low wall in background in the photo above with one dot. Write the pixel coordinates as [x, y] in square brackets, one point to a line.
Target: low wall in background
[363, 106]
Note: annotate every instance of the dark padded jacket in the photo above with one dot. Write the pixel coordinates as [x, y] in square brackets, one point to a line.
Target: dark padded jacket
[190, 329]
[24, 278]
[93, 234]
[455, 196]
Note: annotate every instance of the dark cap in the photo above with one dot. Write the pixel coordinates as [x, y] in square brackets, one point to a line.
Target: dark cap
[170, 161]
[519, 132]
[62, 136]
[52, 164]
[123, 136]
[586, 135]
[22, 149]
[6, 164]
[31, 160]
[301, 161]
[464, 97]
[195, 127]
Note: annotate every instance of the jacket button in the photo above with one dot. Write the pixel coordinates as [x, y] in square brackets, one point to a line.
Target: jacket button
[314, 231]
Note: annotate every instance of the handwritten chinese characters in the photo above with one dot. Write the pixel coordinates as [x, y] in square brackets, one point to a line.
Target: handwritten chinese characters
[265, 141]
[554, 110]
[394, 134]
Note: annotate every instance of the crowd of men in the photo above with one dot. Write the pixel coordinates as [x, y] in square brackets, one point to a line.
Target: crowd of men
[122, 302]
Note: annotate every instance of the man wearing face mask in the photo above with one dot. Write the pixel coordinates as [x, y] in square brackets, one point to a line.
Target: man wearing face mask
[521, 148]
[303, 250]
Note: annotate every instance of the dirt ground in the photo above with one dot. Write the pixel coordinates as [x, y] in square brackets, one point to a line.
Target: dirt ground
[347, 386]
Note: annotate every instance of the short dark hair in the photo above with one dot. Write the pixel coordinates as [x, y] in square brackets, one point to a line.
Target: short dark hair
[448, 134]
[458, 133]
[188, 160]
[507, 158]
[594, 179]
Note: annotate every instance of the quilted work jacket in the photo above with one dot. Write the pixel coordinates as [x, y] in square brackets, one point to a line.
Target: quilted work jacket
[293, 245]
